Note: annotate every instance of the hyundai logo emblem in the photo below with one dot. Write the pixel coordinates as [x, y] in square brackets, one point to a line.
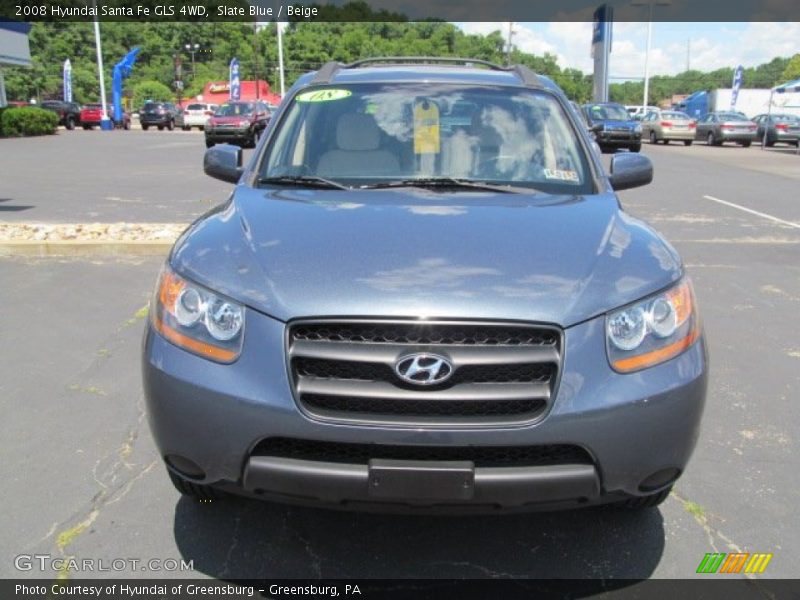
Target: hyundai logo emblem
[423, 369]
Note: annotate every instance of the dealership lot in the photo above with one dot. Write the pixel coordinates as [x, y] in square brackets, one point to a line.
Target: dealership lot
[83, 479]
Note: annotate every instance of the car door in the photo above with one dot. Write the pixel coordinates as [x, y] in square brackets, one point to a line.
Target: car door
[703, 126]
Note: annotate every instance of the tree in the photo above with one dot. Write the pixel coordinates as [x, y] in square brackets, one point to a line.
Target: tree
[151, 90]
[792, 70]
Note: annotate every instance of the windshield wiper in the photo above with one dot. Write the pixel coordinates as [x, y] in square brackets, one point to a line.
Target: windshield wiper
[303, 180]
[449, 182]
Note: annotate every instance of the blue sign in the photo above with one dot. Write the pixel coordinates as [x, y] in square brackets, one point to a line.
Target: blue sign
[67, 81]
[235, 82]
[738, 78]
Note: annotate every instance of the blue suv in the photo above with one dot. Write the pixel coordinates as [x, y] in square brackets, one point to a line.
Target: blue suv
[423, 294]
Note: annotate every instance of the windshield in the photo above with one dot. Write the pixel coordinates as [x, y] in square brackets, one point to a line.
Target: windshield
[196, 107]
[368, 134]
[234, 109]
[608, 112]
[679, 116]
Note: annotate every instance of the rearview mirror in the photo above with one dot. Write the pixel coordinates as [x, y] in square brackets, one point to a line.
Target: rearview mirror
[630, 170]
[223, 162]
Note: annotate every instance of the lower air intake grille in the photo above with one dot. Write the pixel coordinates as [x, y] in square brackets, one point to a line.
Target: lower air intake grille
[482, 456]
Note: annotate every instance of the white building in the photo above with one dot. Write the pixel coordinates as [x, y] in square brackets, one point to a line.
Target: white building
[14, 50]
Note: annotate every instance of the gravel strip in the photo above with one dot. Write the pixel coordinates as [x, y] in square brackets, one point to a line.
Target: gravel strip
[90, 232]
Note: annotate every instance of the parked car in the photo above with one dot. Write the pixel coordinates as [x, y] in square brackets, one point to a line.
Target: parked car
[18, 104]
[781, 129]
[237, 123]
[195, 115]
[158, 114]
[639, 112]
[91, 116]
[613, 127]
[716, 128]
[667, 125]
[69, 113]
[384, 313]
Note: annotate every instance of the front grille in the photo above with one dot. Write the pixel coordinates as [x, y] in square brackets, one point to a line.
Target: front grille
[500, 372]
[481, 456]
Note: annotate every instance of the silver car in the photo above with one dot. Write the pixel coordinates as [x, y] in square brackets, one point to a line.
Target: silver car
[668, 125]
[716, 128]
[781, 129]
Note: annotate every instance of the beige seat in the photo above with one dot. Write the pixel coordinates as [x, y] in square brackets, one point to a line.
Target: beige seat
[358, 139]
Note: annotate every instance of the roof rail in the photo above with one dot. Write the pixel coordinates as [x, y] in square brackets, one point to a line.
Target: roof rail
[410, 60]
[326, 72]
[329, 69]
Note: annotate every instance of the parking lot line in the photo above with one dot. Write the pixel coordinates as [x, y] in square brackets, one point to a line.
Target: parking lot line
[754, 212]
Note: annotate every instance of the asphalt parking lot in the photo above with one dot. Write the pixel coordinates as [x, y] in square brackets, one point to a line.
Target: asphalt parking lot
[82, 477]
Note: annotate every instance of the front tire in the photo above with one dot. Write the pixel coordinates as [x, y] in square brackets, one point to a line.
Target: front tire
[196, 491]
[746, 144]
[711, 140]
[209, 143]
[145, 127]
[645, 502]
[185, 128]
[687, 142]
[70, 124]
[653, 138]
[170, 125]
[635, 147]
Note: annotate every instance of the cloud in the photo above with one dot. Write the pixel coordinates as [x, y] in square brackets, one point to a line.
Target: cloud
[712, 45]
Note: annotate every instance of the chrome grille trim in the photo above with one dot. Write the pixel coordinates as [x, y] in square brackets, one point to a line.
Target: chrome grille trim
[356, 382]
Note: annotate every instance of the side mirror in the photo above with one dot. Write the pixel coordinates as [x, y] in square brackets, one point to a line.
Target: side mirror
[223, 162]
[630, 170]
[596, 127]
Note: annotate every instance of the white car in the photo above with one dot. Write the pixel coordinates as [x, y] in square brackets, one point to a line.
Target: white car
[195, 115]
[639, 112]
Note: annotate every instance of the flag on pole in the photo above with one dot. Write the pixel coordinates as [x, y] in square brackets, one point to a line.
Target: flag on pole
[67, 81]
[235, 83]
[738, 78]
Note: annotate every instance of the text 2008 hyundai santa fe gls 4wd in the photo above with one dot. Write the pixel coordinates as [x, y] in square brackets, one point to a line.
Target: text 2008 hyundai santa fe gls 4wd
[423, 294]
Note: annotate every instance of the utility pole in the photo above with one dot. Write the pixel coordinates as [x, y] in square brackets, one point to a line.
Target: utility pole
[688, 53]
[105, 122]
[280, 54]
[255, 53]
[510, 35]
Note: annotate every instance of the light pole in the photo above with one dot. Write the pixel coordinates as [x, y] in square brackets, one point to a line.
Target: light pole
[192, 49]
[649, 4]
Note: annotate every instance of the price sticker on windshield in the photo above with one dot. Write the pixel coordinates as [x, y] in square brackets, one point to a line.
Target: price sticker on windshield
[426, 128]
[326, 95]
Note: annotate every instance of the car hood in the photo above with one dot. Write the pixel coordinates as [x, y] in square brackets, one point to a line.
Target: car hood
[616, 123]
[415, 253]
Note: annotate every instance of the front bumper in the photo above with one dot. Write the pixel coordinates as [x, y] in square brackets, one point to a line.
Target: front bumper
[154, 120]
[227, 134]
[631, 426]
[618, 138]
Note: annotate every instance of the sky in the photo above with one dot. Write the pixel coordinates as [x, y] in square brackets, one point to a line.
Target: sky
[711, 45]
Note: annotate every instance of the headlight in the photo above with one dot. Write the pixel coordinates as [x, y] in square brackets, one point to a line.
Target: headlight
[652, 330]
[197, 319]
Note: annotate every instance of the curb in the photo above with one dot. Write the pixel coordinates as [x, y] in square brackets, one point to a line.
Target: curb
[84, 248]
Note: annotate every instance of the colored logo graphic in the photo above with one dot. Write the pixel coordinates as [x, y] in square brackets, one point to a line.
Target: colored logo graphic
[742, 562]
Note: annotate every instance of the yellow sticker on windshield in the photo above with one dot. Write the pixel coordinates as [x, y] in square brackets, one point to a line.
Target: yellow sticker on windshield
[426, 128]
[325, 95]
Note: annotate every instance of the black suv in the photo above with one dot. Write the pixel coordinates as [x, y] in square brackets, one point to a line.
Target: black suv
[159, 114]
[69, 113]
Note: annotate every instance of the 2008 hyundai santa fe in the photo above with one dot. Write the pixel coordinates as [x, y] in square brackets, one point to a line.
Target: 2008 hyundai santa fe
[423, 294]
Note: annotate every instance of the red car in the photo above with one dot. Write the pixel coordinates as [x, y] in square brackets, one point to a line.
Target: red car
[92, 114]
[237, 123]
